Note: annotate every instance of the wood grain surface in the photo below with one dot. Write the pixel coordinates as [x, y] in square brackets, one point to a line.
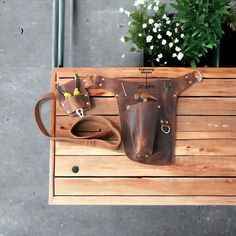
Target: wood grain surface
[205, 164]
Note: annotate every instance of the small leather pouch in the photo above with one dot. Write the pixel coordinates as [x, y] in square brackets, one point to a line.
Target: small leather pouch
[72, 104]
[142, 119]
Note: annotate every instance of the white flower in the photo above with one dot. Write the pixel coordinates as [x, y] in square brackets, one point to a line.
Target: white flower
[121, 10]
[156, 8]
[129, 23]
[122, 39]
[156, 25]
[159, 36]
[158, 60]
[180, 56]
[154, 30]
[177, 49]
[176, 40]
[174, 55]
[157, 2]
[164, 16]
[144, 25]
[171, 45]
[163, 42]
[123, 56]
[149, 38]
[151, 21]
[159, 30]
[182, 35]
[160, 55]
[151, 47]
[176, 30]
[168, 33]
[139, 34]
[177, 24]
[139, 2]
[168, 22]
[165, 62]
[149, 7]
[127, 13]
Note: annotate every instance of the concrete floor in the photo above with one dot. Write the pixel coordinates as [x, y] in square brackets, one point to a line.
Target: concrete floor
[25, 63]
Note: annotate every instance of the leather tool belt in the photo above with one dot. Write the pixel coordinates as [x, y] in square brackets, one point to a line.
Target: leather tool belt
[147, 114]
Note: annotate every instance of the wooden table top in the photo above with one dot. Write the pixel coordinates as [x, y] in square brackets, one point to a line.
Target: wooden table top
[205, 168]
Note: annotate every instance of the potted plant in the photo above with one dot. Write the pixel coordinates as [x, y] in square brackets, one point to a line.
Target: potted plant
[179, 39]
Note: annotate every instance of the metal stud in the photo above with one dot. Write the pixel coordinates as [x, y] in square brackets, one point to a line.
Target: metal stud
[159, 107]
[146, 156]
[190, 81]
[174, 95]
[87, 103]
[128, 107]
[62, 104]
[117, 95]
[103, 79]
[100, 85]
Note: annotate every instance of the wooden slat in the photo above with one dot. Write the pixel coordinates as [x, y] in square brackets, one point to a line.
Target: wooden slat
[207, 123]
[209, 87]
[188, 127]
[143, 200]
[183, 147]
[145, 186]
[186, 106]
[157, 71]
[122, 166]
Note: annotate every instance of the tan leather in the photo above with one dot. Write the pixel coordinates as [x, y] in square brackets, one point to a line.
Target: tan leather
[148, 114]
[109, 136]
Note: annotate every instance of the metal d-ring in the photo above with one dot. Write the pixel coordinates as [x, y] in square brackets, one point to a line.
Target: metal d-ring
[197, 74]
[80, 112]
[163, 127]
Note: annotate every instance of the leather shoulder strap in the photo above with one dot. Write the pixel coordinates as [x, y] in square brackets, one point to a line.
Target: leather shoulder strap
[109, 138]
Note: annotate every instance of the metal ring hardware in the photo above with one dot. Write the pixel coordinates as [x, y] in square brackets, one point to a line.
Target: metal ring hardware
[163, 127]
[80, 112]
[198, 75]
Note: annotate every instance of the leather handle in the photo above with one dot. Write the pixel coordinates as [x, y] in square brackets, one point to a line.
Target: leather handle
[44, 98]
[94, 141]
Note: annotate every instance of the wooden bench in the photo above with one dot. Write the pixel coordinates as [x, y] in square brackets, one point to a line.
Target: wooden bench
[205, 168]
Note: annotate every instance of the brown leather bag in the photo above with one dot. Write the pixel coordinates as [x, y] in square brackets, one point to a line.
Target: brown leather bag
[148, 114]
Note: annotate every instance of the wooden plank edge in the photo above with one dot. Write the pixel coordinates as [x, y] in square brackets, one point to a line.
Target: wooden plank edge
[144, 200]
[209, 72]
[52, 143]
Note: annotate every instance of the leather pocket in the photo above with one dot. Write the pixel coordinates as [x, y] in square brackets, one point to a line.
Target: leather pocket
[75, 102]
[142, 121]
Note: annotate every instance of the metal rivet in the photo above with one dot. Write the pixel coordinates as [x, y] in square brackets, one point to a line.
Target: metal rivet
[103, 79]
[85, 84]
[62, 104]
[86, 95]
[186, 76]
[84, 80]
[146, 156]
[190, 81]
[100, 85]
[161, 121]
[174, 95]
[167, 122]
[68, 112]
[75, 169]
[117, 95]
[159, 107]
[87, 103]
[127, 107]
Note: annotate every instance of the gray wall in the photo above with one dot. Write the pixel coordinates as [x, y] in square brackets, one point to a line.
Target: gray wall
[24, 75]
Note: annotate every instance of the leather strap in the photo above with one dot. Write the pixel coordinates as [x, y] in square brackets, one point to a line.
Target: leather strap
[109, 138]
